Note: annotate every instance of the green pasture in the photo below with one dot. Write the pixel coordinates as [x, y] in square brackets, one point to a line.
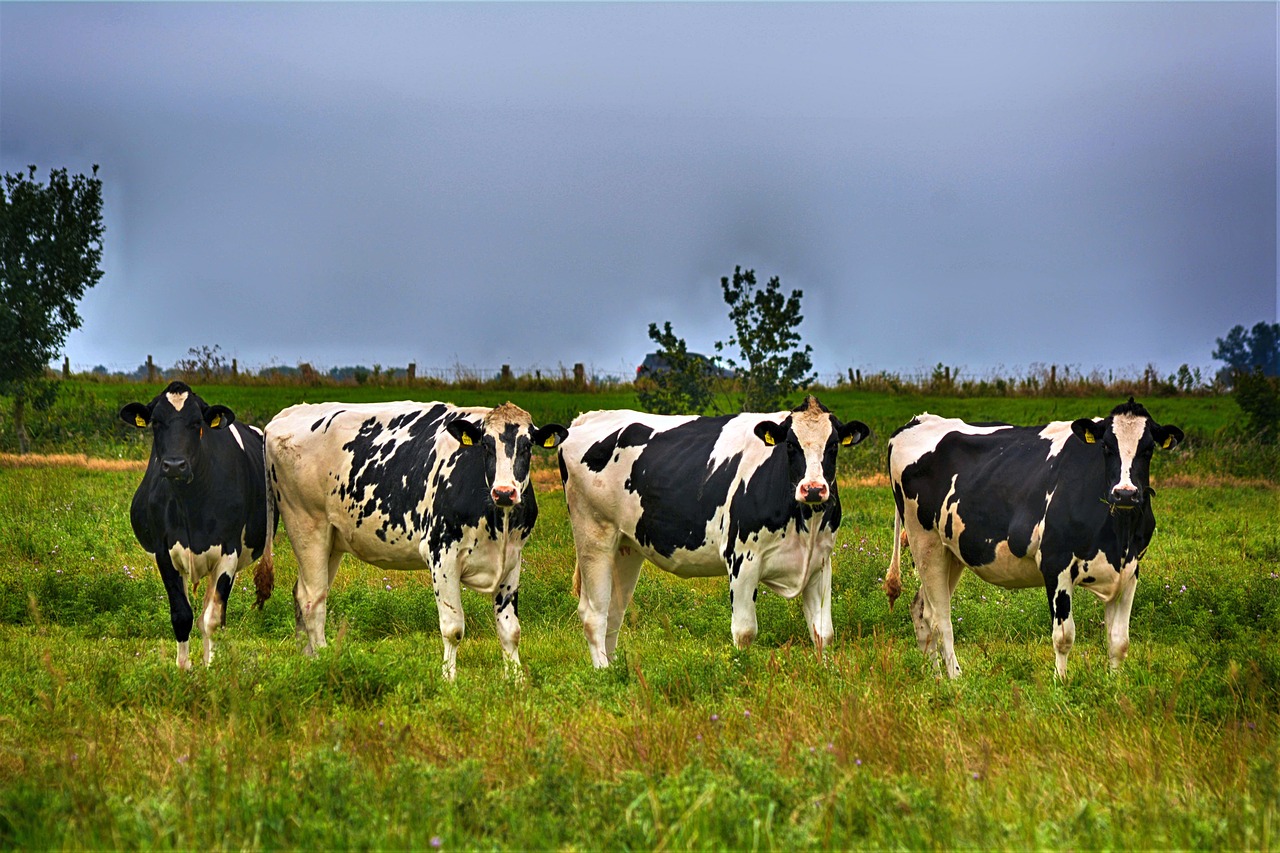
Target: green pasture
[83, 418]
[684, 743]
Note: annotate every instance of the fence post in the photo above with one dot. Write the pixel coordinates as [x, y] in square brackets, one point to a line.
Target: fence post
[235, 370]
[412, 371]
[579, 374]
[66, 367]
[506, 373]
[151, 370]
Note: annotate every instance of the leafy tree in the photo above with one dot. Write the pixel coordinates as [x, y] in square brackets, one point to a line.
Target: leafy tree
[765, 334]
[1258, 396]
[50, 251]
[1258, 348]
[685, 387]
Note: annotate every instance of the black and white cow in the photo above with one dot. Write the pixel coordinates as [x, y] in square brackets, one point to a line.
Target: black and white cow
[750, 495]
[409, 486]
[1062, 505]
[201, 510]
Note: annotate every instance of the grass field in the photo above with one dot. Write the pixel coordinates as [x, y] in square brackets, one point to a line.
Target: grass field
[685, 742]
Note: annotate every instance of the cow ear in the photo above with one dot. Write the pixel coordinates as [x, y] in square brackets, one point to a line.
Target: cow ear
[136, 415]
[771, 433]
[853, 433]
[549, 436]
[1088, 430]
[219, 416]
[1168, 437]
[465, 432]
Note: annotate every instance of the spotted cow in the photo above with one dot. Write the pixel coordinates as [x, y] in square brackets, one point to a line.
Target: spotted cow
[201, 509]
[752, 495]
[408, 486]
[1062, 505]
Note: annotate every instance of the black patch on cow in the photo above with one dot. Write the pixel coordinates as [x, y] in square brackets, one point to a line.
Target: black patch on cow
[1062, 606]
[680, 491]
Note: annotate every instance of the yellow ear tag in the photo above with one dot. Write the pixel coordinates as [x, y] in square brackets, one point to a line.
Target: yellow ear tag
[465, 440]
[550, 441]
[216, 422]
[1088, 438]
[139, 420]
[1168, 442]
[769, 440]
[846, 441]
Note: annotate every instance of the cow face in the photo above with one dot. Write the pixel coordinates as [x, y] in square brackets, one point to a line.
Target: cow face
[1126, 439]
[811, 436]
[505, 439]
[178, 420]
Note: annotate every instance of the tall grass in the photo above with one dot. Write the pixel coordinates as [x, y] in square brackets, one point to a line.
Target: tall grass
[685, 742]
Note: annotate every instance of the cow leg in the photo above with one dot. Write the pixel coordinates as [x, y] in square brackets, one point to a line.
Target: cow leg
[939, 572]
[214, 615]
[626, 571]
[744, 581]
[317, 563]
[816, 602]
[180, 614]
[1117, 612]
[506, 612]
[446, 579]
[1058, 587]
[595, 577]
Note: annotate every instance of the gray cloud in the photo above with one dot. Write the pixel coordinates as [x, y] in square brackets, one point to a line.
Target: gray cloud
[980, 184]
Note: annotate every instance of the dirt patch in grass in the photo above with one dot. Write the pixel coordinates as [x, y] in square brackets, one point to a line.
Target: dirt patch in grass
[69, 460]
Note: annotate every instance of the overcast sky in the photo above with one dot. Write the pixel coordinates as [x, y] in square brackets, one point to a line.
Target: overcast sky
[989, 185]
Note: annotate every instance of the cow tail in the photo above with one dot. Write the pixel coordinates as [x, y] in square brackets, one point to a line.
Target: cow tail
[264, 574]
[893, 578]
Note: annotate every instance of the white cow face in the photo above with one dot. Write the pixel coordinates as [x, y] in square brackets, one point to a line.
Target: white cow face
[1127, 439]
[505, 440]
[811, 436]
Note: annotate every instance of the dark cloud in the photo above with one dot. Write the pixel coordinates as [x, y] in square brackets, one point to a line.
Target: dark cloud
[533, 184]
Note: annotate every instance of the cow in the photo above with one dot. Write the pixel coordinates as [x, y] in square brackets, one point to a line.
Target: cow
[201, 509]
[1061, 505]
[408, 486]
[753, 496]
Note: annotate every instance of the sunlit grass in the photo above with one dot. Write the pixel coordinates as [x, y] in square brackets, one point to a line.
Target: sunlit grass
[685, 742]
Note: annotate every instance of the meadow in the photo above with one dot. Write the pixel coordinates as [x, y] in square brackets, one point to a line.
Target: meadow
[685, 742]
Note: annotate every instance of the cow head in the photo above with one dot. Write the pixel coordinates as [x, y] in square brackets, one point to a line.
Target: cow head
[1126, 439]
[506, 438]
[178, 420]
[811, 436]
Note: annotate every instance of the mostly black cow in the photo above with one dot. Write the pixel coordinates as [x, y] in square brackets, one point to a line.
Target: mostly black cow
[201, 510]
[1059, 505]
[409, 486]
[753, 496]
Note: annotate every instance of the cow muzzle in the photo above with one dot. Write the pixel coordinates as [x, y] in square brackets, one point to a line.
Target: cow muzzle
[176, 468]
[813, 493]
[1124, 498]
[505, 496]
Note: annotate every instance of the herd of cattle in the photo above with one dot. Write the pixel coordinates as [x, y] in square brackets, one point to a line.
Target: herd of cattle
[430, 485]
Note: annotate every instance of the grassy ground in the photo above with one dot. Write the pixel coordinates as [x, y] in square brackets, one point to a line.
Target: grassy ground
[685, 743]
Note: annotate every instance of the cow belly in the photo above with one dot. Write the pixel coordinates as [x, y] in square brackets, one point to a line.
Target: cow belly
[1007, 570]
[399, 554]
[706, 562]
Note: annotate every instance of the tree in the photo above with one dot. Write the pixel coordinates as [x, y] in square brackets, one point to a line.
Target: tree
[50, 251]
[684, 385]
[765, 334]
[1259, 348]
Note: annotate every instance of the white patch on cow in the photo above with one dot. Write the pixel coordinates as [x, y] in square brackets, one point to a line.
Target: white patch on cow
[177, 399]
[1128, 430]
[910, 444]
[1058, 434]
[812, 429]
[236, 435]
